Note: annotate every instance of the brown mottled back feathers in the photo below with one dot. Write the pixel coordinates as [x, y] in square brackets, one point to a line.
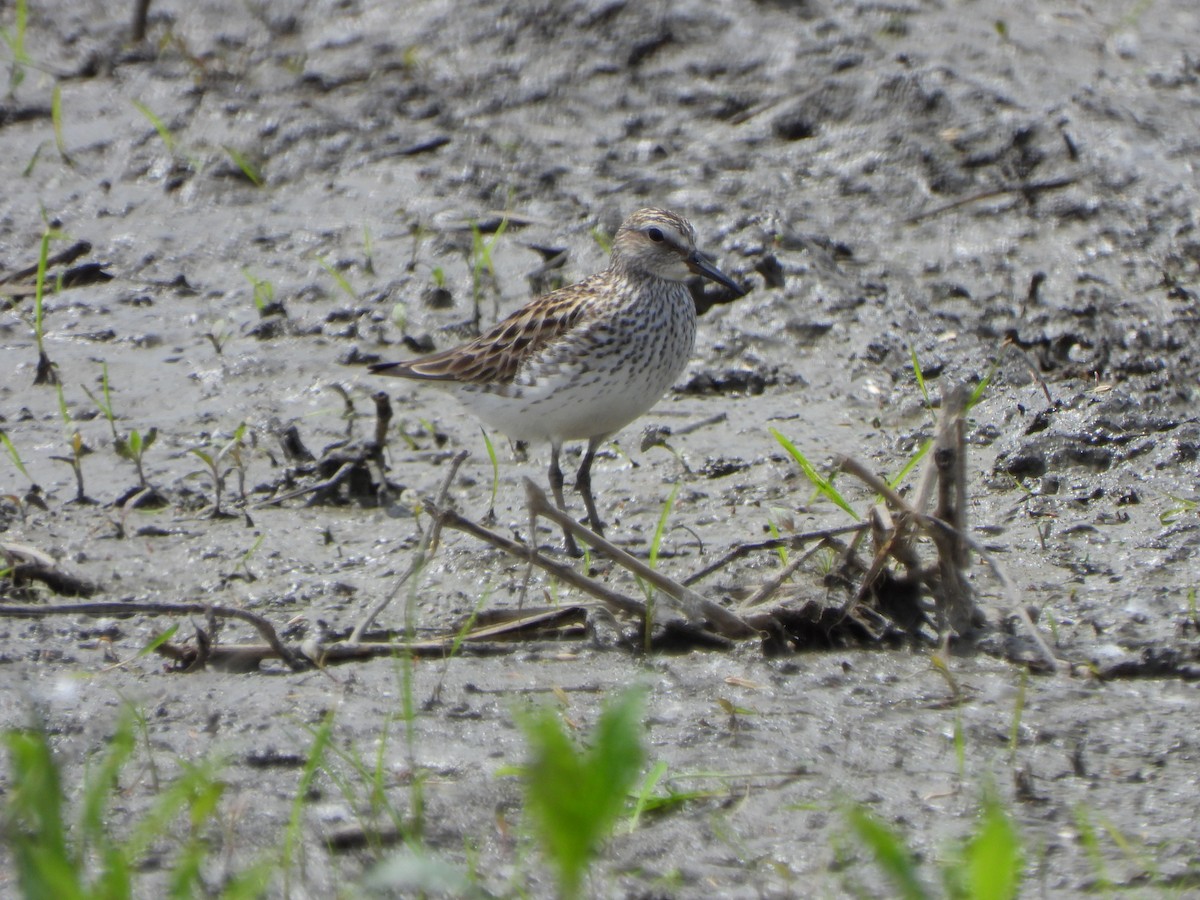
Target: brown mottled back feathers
[496, 356]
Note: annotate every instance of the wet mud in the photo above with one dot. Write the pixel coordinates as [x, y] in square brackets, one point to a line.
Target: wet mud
[1011, 199]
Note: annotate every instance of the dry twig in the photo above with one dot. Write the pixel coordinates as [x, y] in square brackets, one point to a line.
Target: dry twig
[264, 627]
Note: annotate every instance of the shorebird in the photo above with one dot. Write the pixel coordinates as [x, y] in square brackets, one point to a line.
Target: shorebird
[582, 362]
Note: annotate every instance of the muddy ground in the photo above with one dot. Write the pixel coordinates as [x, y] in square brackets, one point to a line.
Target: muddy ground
[1014, 193]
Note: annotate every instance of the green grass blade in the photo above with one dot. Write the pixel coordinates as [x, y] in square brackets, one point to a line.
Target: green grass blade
[316, 755]
[63, 412]
[368, 251]
[660, 529]
[157, 641]
[102, 781]
[253, 175]
[993, 856]
[33, 160]
[34, 827]
[40, 287]
[195, 792]
[56, 121]
[16, 45]
[911, 464]
[916, 367]
[1014, 729]
[781, 550]
[491, 452]
[490, 244]
[891, 854]
[646, 794]
[160, 126]
[1091, 846]
[821, 484]
[981, 388]
[337, 276]
[13, 454]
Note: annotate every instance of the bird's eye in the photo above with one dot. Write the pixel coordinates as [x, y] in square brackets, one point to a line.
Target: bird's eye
[655, 235]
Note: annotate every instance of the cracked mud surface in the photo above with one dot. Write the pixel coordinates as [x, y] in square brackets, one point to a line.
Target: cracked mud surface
[822, 151]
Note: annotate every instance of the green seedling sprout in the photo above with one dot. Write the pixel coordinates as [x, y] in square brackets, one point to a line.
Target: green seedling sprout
[822, 485]
[16, 45]
[244, 562]
[45, 368]
[371, 774]
[218, 471]
[575, 795]
[219, 335]
[133, 448]
[459, 638]
[960, 744]
[481, 260]
[439, 276]
[400, 316]
[264, 291]
[773, 530]
[338, 277]
[78, 450]
[1137, 856]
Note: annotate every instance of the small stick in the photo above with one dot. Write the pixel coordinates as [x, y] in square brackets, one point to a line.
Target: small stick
[933, 524]
[333, 481]
[689, 427]
[63, 257]
[1035, 187]
[792, 542]
[696, 605]
[428, 544]
[767, 590]
[383, 418]
[264, 627]
[615, 601]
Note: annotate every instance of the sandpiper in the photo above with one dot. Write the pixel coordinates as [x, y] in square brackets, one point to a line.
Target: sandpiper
[582, 362]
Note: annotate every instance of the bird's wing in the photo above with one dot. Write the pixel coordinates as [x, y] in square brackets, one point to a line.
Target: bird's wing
[496, 356]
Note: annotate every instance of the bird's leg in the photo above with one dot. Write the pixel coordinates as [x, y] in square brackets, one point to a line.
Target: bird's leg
[556, 488]
[583, 484]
